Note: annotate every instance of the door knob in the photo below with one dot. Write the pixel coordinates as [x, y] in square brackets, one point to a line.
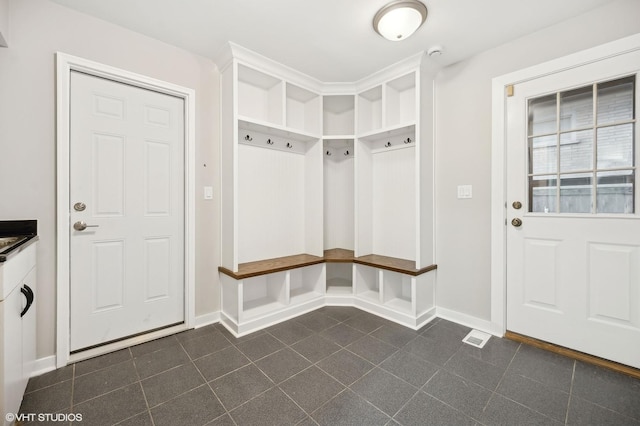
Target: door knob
[81, 226]
[516, 221]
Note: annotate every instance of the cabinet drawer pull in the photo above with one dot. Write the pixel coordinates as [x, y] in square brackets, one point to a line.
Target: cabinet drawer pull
[28, 293]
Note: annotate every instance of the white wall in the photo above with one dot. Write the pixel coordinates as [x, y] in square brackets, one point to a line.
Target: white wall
[463, 146]
[39, 28]
[4, 22]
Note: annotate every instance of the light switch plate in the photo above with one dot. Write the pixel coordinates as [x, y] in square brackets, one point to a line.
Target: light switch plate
[208, 193]
[465, 191]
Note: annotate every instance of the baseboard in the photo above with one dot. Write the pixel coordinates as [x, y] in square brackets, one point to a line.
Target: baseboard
[467, 321]
[207, 319]
[43, 365]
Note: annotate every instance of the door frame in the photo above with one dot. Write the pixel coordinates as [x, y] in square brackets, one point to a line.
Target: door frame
[498, 161]
[64, 65]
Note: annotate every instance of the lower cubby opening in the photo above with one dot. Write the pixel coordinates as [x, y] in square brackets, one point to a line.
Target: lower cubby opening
[367, 283]
[263, 294]
[339, 279]
[306, 283]
[397, 291]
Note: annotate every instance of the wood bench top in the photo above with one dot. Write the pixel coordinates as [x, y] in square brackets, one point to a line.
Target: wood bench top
[270, 266]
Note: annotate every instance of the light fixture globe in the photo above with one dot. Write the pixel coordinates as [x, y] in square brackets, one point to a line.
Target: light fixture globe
[399, 19]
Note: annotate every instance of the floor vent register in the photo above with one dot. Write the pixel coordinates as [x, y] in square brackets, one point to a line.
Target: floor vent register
[476, 338]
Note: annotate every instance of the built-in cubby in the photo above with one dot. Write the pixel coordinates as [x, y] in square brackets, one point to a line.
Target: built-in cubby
[338, 116]
[370, 110]
[401, 101]
[303, 110]
[306, 283]
[271, 290]
[263, 294]
[327, 193]
[260, 96]
[397, 291]
[339, 279]
[367, 281]
[386, 185]
[338, 179]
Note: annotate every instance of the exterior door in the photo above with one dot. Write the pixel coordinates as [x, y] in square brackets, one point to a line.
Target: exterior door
[573, 227]
[126, 212]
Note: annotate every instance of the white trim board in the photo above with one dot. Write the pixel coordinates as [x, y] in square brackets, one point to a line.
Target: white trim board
[64, 65]
[498, 164]
[467, 321]
[207, 319]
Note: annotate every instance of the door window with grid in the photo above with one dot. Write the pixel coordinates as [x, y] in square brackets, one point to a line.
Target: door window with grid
[581, 149]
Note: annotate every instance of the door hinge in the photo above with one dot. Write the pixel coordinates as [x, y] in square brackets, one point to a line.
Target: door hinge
[510, 90]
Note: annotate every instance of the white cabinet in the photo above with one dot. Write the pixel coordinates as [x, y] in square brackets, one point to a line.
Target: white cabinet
[394, 168]
[260, 295]
[404, 297]
[272, 197]
[338, 172]
[18, 333]
[394, 192]
[271, 166]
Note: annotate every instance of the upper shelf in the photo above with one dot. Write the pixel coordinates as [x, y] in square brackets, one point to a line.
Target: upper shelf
[271, 101]
[388, 105]
[248, 124]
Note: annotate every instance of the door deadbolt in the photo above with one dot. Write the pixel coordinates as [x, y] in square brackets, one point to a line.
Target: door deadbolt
[79, 207]
[517, 205]
[516, 221]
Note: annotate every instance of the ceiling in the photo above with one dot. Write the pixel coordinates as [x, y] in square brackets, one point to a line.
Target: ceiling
[331, 40]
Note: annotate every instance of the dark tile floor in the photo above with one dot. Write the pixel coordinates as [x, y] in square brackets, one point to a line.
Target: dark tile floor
[335, 366]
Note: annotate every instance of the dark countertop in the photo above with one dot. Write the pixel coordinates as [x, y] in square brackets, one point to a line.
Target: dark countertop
[17, 228]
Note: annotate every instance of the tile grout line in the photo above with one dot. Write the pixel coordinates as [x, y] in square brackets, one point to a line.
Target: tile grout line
[446, 403]
[73, 385]
[207, 383]
[494, 391]
[144, 394]
[573, 376]
[277, 385]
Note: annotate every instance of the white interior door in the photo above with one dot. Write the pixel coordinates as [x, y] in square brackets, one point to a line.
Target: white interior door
[127, 186]
[573, 260]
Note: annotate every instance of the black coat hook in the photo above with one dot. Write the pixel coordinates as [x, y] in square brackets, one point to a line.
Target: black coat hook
[346, 152]
[269, 142]
[388, 144]
[408, 140]
[248, 138]
[328, 153]
[289, 145]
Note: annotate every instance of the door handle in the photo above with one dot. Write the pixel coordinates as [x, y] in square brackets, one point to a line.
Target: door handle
[516, 221]
[28, 293]
[81, 226]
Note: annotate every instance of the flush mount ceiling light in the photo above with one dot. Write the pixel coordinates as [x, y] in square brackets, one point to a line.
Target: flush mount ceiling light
[399, 19]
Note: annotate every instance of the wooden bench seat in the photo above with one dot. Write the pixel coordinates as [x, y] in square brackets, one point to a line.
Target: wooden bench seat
[269, 266]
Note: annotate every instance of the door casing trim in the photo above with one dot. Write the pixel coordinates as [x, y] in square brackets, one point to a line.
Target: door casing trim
[498, 161]
[64, 65]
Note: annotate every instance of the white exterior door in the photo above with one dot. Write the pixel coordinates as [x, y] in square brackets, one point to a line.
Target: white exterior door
[127, 186]
[573, 247]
